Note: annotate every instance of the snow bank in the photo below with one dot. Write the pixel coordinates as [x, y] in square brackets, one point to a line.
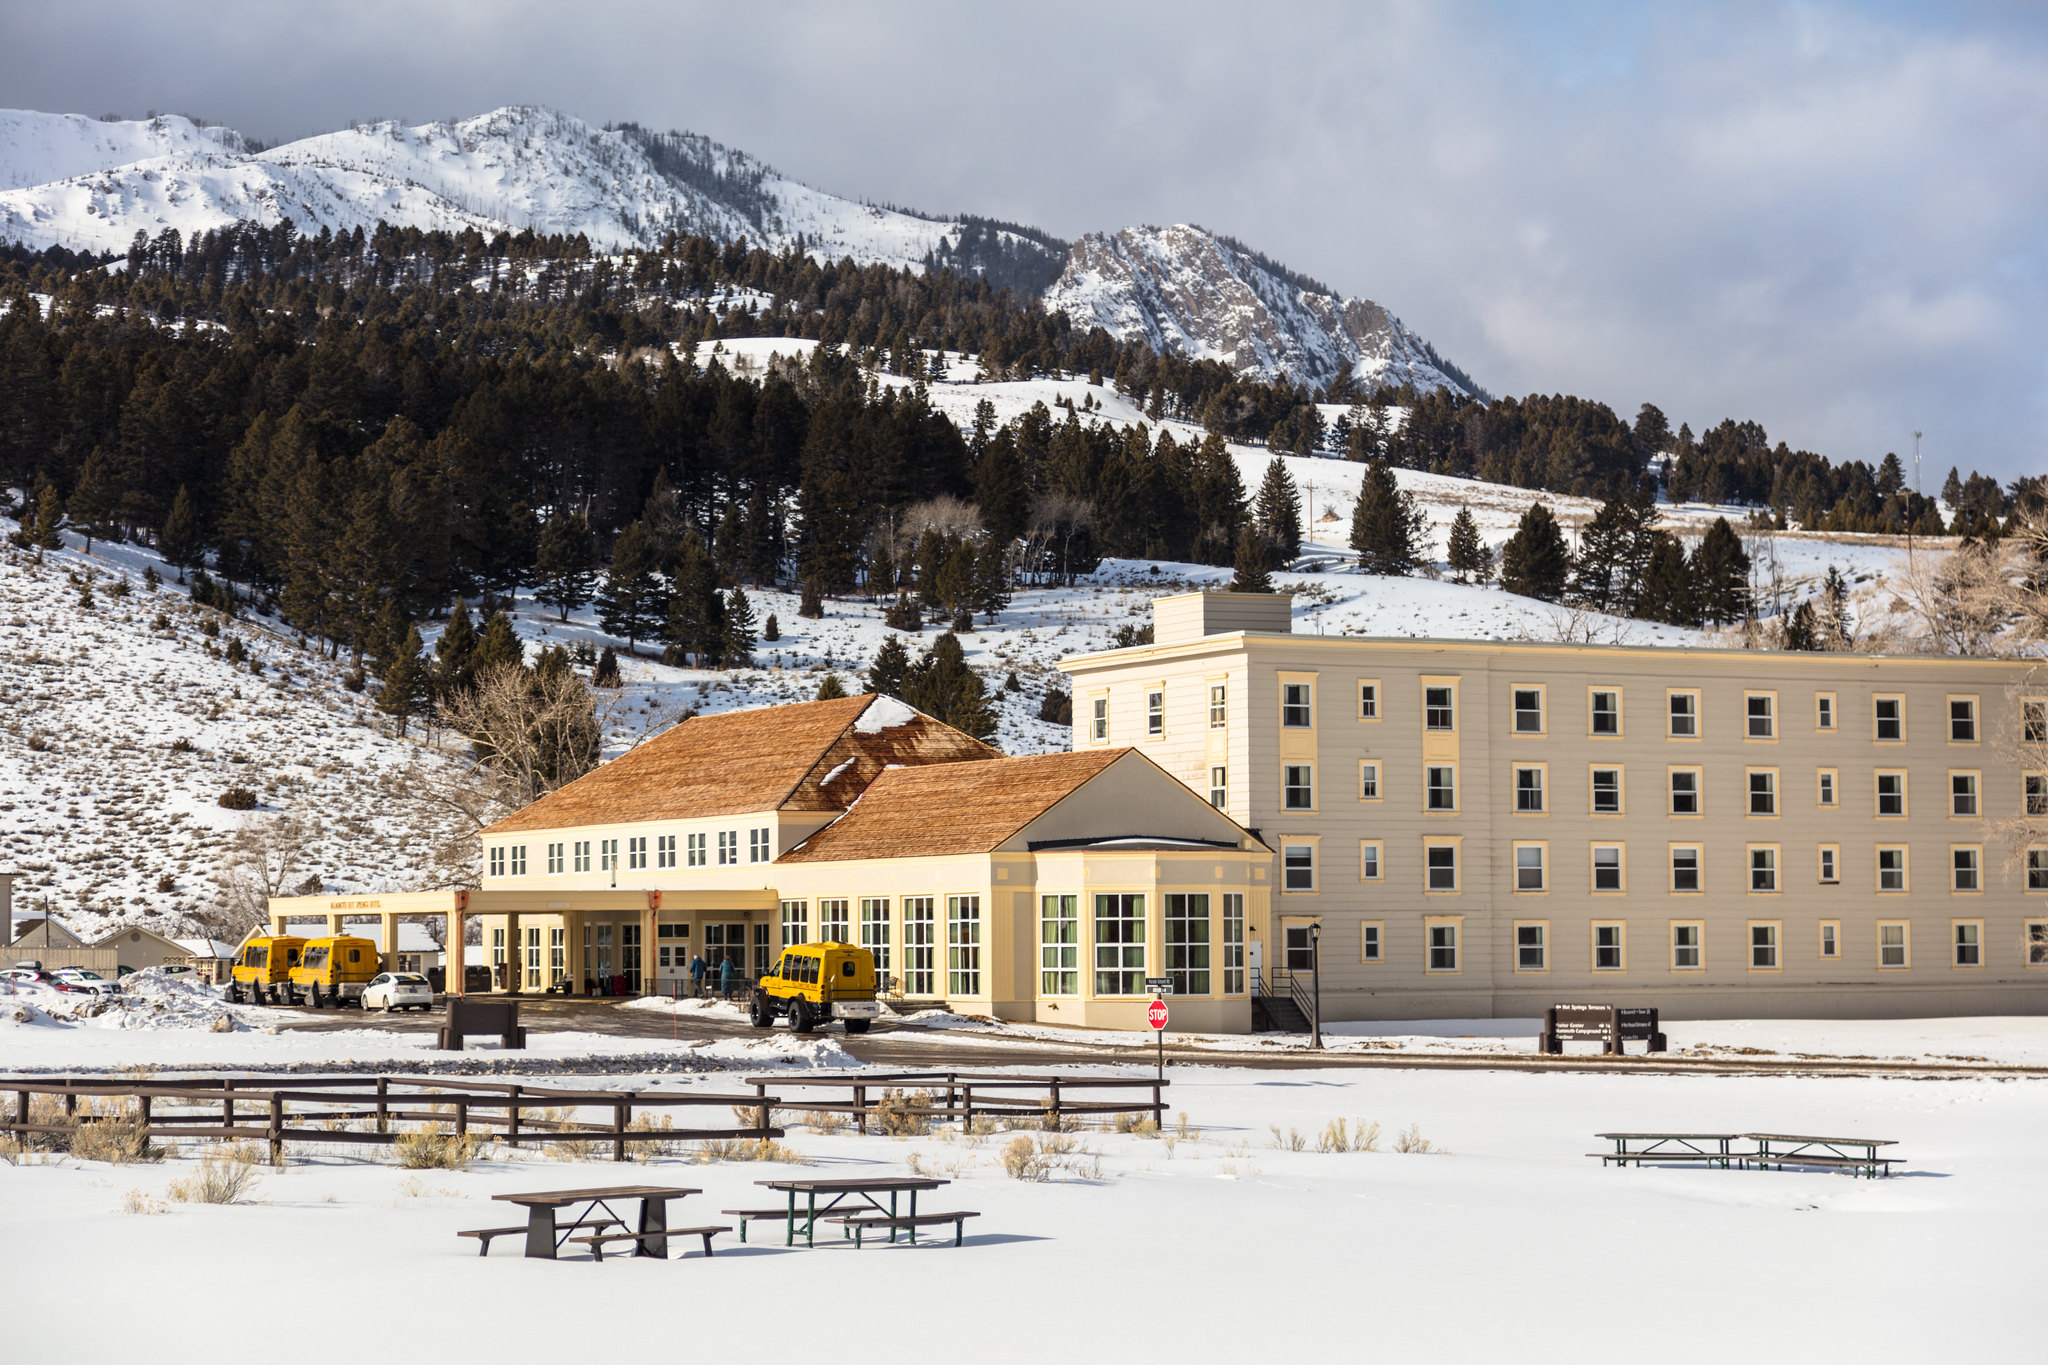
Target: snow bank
[784, 1049]
[149, 999]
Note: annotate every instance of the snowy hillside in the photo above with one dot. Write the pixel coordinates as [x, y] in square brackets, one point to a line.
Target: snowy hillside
[1183, 289]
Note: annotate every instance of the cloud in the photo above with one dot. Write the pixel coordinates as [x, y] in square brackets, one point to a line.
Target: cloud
[1824, 218]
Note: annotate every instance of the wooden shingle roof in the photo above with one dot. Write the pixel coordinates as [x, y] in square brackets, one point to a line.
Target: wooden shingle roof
[812, 756]
[959, 808]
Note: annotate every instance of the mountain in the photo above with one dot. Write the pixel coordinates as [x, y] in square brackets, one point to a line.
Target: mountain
[93, 184]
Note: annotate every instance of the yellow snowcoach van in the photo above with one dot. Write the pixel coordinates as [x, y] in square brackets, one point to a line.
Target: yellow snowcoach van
[263, 963]
[334, 970]
[815, 983]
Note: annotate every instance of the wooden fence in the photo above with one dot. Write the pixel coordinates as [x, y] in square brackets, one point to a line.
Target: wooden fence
[951, 1095]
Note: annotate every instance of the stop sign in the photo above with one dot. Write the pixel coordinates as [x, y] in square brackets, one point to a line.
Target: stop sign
[1155, 1014]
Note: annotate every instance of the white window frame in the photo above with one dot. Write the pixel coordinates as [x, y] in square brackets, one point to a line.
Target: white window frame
[1877, 794]
[1219, 706]
[1369, 699]
[1291, 865]
[700, 855]
[1619, 863]
[1618, 945]
[1830, 864]
[1699, 869]
[1532, 935]
[1767, 713]
[1155, 712]
[1594, 713]
[1372, 860]
[1772, 943]
[1440, 937]
[1969, 702]
[1529, 795]
[1540, 865]
[1297, 779]
[1428, 791]
[1516, 711]
[665, 850]
[1594, 789]
[1966, 940]
[1958, 872]
[1768, 790]
[1219, 785]
[1699, 800]
[1974, 794]
[1763, 864]
[1904, 870]
[1904, 946]
[1306, 706]
[1827, 793]
[1691, 715]
[1698, 946]
[1369, 779]
[1877, 718]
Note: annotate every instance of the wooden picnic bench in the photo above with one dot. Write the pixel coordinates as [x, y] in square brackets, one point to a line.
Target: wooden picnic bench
[545, 1234]
[1779, 1150]
[856, 1223]
[750, 1215]
[484, 1235]
[1674, 1148]
[481, 1018]
[862, 1189]
[1770, 1151]
[597, 1243]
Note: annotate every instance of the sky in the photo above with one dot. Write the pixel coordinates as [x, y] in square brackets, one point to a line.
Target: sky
[1825, 218]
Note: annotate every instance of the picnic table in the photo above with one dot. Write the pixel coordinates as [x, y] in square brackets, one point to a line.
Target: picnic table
[545, 1233]
[1706, 1148]
[863, 1190]
[1779, 1150]
[1794, 1149]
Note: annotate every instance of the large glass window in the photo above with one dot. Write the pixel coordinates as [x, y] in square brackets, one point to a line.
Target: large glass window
[1119, 944]
[1233, 943]
[874, 929]
[920, 945]
[963, 945]
[1297, 787]
[834, 922]
[1297, 705]
[1187, 943]
[795, 923]
[1059, 945]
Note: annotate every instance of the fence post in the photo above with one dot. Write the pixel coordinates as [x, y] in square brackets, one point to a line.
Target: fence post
[21, 1107]
[860, 1109]
[1057, 1125]
[142, 1102]
[383, 1104]
[967, 1109]
[276, 1129]
[619, 1112]
[512, 1117]
[462, 1118]
[1158, 1108]
[227, 1114]
[70, 1100]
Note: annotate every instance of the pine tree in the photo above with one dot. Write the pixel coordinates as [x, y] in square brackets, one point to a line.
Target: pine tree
[179, 542]
[606, 674]
[696, 613]
[944, 687]
[96, 500]
[1252, 574]
[1720, 574]
[1952, 489]
[1799, 629]
[992, 578]
[1834, 627]
[1386, 525]
[1667, 584]
[565, 564]
[408, 682]
[881, 570]
[47, 534]
[811, 605]
[771, 629]
[1614, 552]
[455, 653]
[1278, 513]
[1534, 562]
[499, 646]
[386, 640]
[1891, 475]
[892, 662]
[1469, 557]
[831, 689]
[738, 644]
[630, 603]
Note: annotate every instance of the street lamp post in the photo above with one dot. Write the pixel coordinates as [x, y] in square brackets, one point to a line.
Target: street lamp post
[1315, 962]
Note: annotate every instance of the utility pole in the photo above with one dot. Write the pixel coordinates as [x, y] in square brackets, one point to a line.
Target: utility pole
[1315, 950]
[1916, 462]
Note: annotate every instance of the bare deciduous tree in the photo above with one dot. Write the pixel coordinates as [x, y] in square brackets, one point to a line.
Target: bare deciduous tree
[266, 854]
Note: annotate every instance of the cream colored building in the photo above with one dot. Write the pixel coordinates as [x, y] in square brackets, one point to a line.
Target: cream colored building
[1482, 828]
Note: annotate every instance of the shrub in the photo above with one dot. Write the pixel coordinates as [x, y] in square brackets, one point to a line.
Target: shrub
[1058, 708]
[1023, 1161]
[236, 651]
[1289, 1141]
[771, 629]
[238, 798]
[905, 616]
[425, 1149]
[749, 1149]
[226, 1175]
[181, 745]
[904, 1115]
[1412, 1141]
[115, 1135]
[1339, 1136]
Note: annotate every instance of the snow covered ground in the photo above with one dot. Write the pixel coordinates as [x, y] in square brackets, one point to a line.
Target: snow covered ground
[1214, 1243]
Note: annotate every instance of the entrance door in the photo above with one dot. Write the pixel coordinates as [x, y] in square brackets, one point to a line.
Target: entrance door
[672, 952]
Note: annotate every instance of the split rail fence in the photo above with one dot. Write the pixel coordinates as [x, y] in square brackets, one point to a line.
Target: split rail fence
[952, 1095]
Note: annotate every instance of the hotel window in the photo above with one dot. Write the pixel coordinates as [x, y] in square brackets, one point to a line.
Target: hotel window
[1059, 945]
[1763, 791]
[636, 852]
[760, 844]
[1830, 939]
[497, 862]
[835, 924]
[1119, 944]
[1441, 864]
[1233, 943]
[1298, 867]
[1962, 720]
[519, 860]
[1155, 713]
[697, 850]
[2035, 791]
[1528, 710]
[1529, 867]
[582, 855]
[665, 850]
[1369, 701]
[1762, 710]
[1685, 791]
[1219, 709]
[1889, 715]
[1891, 869]
[1824, 711]
[554, 859]
[1443, 948]
[1297, 709]
[1369, 780]
[1219, 786]
[1688, 950]
[1969, 943]
[1297, 786]
[1606, 713]
[1962, 794]
[1828, 780]
[1607, 867]
[608, 855]
[796, 926]
[2034, 722]
[1685, 867]
[1606, 791]
[1440, 789]
[1830, 864]
[558, 954]
[1763, 947]
[1098, 725]
[1531, 952]
[1609, 948]
[1370, 851]
[2037, 869]
[963, 943]
[2037, 943]
[1529, 791]
[920, 945]
[533, 957]
[1187, 943]
[1763, 869]
[1439, 709]
[1967, 869]
[1891, 795]
[1685, 715]
[728, 847]
[1369, 942]
[874, 929]
[1894, 946]
[1299, 949]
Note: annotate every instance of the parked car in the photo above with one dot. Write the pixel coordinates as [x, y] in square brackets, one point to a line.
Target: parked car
[78, 978]
[814, 983]
[36, 976]
[398, 991]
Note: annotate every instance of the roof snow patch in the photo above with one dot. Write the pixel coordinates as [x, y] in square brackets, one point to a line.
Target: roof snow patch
[884, 713]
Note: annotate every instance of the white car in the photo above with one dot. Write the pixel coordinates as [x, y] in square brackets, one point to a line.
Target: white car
[398, 991]
[78, 978]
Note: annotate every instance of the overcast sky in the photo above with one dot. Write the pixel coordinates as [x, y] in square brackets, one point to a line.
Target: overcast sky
[1828, 218]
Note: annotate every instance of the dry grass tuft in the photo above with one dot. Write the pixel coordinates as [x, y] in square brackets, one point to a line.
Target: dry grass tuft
[1289, 1141]
[135, 1201]
[1025, 1158]
[827, 1122]
[426, 1149]
[1413, 1142]
[226, 1175]
[749, 1149]
[904, 1115]
[1339, 1136]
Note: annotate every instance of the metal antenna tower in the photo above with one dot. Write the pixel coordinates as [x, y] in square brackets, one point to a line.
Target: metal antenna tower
[1916, 462]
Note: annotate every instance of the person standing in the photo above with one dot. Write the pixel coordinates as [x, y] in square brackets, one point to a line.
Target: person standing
[725, 977]
[697, 974]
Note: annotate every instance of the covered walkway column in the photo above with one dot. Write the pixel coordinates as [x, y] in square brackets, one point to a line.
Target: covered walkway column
[390, 936]
[458, 931]
[515, 957]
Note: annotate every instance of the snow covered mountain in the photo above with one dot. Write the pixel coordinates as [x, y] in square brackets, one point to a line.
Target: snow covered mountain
[1184, 289]
[88, 184]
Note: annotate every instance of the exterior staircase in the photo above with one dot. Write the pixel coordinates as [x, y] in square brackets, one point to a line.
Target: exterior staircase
[1279, 1005]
